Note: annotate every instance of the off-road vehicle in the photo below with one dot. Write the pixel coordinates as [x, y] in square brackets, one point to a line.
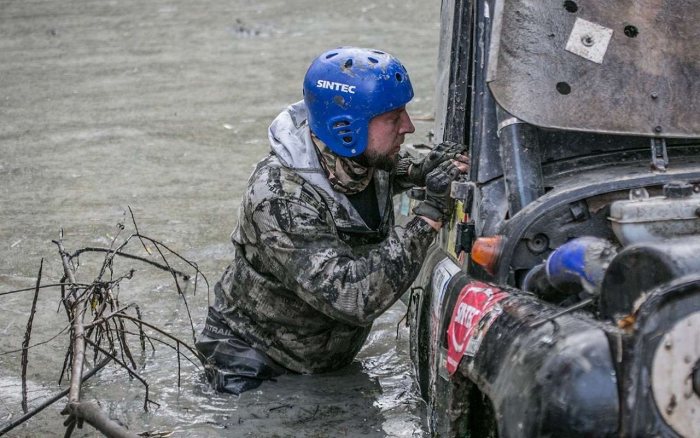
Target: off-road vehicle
[563, 299]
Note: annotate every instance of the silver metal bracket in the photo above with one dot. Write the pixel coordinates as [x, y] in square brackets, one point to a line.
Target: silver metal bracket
[659, 154]
[507, 122]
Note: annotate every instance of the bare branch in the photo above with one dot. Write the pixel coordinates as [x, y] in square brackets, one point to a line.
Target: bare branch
[106, 334]
[133, 221]
[191, 264]
[27, 337]
[131, 372]
[109, 258]
[184, 344]
[167, 345]
[51, 400]
[102, 319]
[44, 286]
[126, 344]
[177, 284]
[70, 424]
[78, 353]
[69, 354]
[4, 353]
[142, 336]
[94, 416]
[130, 256]
[178, 365]
[78, 329]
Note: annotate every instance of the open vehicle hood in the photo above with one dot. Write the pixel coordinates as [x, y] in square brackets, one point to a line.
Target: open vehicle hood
[627, 67]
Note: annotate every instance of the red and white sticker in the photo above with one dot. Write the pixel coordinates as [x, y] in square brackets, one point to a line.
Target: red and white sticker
[476, 309]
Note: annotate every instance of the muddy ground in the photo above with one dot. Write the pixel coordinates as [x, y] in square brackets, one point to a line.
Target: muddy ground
[163, 106]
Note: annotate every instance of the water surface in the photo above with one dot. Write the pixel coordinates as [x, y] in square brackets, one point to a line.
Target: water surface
[163, 106]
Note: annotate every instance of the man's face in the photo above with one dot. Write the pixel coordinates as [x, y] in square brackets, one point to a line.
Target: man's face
[386, 134]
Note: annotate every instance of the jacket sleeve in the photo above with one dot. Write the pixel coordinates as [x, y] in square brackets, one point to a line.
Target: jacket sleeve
[309, 257]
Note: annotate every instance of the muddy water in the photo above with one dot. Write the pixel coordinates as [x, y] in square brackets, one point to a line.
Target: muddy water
[163, 106]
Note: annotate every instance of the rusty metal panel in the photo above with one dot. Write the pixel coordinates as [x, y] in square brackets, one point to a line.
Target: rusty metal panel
[619, 67]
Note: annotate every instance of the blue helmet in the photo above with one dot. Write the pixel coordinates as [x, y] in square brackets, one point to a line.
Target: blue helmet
[345, 87]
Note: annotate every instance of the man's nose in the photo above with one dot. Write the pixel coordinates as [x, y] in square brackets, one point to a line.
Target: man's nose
[406, 124]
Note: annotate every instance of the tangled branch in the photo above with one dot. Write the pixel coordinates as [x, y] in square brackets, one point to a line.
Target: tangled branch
[104, 335]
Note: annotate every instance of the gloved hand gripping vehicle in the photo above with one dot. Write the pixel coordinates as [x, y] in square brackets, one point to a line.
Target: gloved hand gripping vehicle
[563, 299]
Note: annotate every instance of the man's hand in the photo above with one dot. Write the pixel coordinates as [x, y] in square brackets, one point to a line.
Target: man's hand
[418, 172]
[438, 183]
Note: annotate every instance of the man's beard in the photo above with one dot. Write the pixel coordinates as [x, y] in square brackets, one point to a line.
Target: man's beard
[382, 162]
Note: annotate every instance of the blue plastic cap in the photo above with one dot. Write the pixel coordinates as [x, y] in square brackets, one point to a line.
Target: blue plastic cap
[345, 88]
[581, 261]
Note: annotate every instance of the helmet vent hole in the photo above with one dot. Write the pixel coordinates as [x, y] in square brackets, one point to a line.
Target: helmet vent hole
[373, 60]
[347, 139]
[348, 63]
[344, 131]
[341, 124]
[399, 77]
[378, 52]
[330, 55]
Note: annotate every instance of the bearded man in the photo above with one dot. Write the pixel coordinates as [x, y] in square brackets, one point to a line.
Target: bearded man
[317, 254]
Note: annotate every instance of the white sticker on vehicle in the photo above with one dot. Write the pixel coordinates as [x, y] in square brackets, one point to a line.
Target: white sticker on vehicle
[442, 274]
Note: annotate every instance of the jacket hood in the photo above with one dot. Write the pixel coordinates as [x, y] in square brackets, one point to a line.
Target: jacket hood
[290, 141]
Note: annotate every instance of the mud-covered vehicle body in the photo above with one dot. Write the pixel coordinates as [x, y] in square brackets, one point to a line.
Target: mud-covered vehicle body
[563, 299]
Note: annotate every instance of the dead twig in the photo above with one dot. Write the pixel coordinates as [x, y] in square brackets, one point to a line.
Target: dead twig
[43, 286]
[142, 335]
[167, 345]
[136, 228]
[48, 402]
[4, 353]
[131, 256]
[184, 344]
[131, 372]
[27, 337]
[94, 416]
[102, 319]
[177, 284]
[178, 365]
[69, 354]
[77, 327]
[109, 258]
[106, 334]
[76, 410]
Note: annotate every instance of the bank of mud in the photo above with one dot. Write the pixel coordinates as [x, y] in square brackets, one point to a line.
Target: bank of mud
[163, 106]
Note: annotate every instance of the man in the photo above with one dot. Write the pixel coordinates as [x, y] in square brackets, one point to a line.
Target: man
[317, 255]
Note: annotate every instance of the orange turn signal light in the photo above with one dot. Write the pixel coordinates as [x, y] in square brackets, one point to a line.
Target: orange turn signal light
[486, 251]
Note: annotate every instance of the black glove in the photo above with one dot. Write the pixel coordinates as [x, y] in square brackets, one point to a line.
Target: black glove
[443, 152]
[438, 183]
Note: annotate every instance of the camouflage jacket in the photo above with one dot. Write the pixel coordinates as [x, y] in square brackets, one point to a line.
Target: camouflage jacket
[308, 276]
